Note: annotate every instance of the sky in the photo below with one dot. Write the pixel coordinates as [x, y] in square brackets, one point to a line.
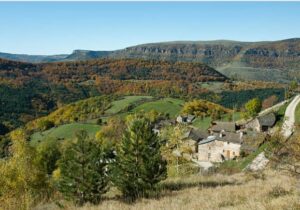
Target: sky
[61, 27]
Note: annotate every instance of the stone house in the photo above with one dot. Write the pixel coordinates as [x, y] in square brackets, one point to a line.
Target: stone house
[262, 123]
[193, 137]
[217, 148]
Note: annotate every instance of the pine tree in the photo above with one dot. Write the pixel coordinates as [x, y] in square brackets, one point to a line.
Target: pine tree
[139, 164]
[83, 170]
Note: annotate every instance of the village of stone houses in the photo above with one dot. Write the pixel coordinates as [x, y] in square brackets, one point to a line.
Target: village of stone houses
[224, 140]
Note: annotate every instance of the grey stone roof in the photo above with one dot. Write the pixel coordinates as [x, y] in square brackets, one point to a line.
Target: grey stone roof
[226, 137]
[230, 137]
[226, 126]
[195, 134]
[267, 119]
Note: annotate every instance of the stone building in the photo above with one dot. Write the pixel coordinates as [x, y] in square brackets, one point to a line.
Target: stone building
[262, 123]
[193, 137]
[218, 148]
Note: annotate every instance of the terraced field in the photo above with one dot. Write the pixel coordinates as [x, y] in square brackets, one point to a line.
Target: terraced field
[121, 104]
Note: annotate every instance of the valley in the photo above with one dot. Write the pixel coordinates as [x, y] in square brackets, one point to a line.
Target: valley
[206, 124]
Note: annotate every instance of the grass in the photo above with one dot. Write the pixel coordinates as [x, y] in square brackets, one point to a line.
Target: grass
[213, 86]
[243, 191]
[66, 131]
[280, 114]
[244, 72]
[297, 115]
[122, 104]
[203, 124]
[166, 105]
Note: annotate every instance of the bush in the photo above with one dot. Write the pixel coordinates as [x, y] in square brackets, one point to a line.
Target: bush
[253, 107]
[48, 153]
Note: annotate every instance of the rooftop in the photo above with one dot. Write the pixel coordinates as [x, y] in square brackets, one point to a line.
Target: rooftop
[226, 136]
[195, 134]
[218, 126]
[267, 119]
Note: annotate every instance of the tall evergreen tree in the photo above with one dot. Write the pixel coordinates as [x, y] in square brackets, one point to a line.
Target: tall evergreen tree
[139, 164]
[83, 170]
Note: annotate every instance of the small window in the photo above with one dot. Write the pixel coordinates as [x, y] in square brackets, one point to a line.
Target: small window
[223, 150]
[209, 148]
[233, 153]
[227, 142]
[209, 155]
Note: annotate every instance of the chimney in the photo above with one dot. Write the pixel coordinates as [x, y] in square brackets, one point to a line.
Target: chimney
[221, 133]
[241, 135]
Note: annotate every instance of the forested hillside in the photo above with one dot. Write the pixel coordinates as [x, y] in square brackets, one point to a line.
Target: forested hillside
[31, 90]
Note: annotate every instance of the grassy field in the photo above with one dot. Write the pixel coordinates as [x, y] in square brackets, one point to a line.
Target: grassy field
[119, 105]
[264, 191]
[66, 131]
[167, 105]
[241, 71]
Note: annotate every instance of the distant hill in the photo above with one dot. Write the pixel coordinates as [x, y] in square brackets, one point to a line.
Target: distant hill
[246, 60]
[32, 58]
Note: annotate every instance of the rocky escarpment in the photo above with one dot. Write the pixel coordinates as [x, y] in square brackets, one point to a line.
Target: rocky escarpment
[211, 54]
[280, 55]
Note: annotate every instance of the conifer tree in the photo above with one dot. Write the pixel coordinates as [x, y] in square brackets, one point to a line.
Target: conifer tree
[83, 170]
[139, 164]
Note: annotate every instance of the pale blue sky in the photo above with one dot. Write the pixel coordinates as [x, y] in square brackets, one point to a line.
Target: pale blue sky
[61, 27]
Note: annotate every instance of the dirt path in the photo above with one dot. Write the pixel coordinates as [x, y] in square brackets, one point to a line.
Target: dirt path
[289, 118]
